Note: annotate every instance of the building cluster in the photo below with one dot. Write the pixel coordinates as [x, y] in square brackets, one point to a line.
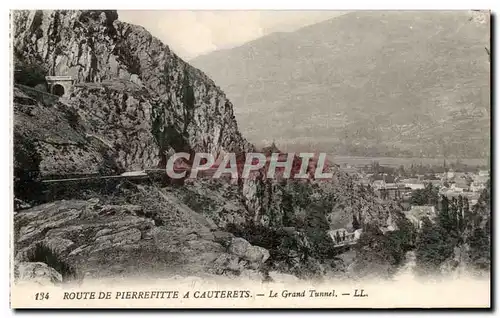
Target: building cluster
[450, 184]
[342, 237]
[469, 185]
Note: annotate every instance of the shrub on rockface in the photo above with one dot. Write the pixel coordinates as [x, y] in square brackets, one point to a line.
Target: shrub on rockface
[26, 169]
[291, 251]
[28, 74]
[427, 196]
[43, 253]
[433, 247]
[374, 255]
[480, 253]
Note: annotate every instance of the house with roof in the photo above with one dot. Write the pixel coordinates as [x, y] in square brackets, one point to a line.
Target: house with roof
[480, 179]
[460, 185]
[413, 183]
[476, 186]
[418, 213]
[484, 173]
[378, 184]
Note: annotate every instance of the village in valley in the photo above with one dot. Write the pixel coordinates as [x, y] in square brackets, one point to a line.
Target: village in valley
[408, 188]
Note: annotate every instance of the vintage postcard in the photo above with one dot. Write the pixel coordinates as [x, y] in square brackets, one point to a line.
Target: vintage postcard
[250, 159]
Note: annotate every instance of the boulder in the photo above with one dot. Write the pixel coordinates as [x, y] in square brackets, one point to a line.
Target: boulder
[244, 249]
[226, 262]
[257, 254]
[239, 246]
[38, 272]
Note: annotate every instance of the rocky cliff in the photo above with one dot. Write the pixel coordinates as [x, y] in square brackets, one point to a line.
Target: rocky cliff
[96, 239]
[134, 98]
[133, 101]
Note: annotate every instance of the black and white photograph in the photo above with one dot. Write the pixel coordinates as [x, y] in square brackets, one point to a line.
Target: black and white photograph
[251, 159]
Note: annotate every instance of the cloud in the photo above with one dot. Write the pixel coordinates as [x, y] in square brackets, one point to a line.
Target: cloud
[191, 33]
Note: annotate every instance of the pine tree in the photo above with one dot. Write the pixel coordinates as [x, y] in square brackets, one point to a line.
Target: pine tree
[460, 215]
[453, 215]
[466, 208]
[460, 205]
[461, 223]
[444, 214]
[433, 247]
[480, 254]
[487, 226]
[432, 194]
[355, 223]
[374, 255]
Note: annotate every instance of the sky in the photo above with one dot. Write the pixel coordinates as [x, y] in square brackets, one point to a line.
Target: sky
[193, 33]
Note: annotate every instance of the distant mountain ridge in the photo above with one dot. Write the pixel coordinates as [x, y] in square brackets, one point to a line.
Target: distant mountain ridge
[367, 83]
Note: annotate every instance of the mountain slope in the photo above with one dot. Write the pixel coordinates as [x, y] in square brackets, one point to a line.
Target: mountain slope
[133, 96]
[365, 83]
[133, 101]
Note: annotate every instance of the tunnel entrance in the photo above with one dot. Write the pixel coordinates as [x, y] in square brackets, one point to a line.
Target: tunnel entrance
[58, 90]
[60, 85]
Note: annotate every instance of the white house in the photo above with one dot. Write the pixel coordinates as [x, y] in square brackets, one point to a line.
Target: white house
[357, 234]
[477, 186]
[450, 174]
[378, 184]
[418, 212]
[484, 173]
[415, 186]
[343, 237]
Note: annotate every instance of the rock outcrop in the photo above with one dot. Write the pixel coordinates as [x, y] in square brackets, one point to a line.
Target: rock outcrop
[134, 98]
[275, 204]
[106, 240]
[36, 272]
[242, 248]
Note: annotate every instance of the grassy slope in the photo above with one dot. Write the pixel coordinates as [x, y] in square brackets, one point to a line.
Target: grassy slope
[364, 81]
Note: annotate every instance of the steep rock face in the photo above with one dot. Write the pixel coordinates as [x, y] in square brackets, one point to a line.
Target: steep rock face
[117, 114]
[99, 239]
[50, 141]
[173, 104]
[276, 204]
[103, 129]
[215, 199]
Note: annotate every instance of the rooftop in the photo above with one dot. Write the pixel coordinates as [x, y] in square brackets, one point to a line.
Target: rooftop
[411, 180]
[421, 211]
